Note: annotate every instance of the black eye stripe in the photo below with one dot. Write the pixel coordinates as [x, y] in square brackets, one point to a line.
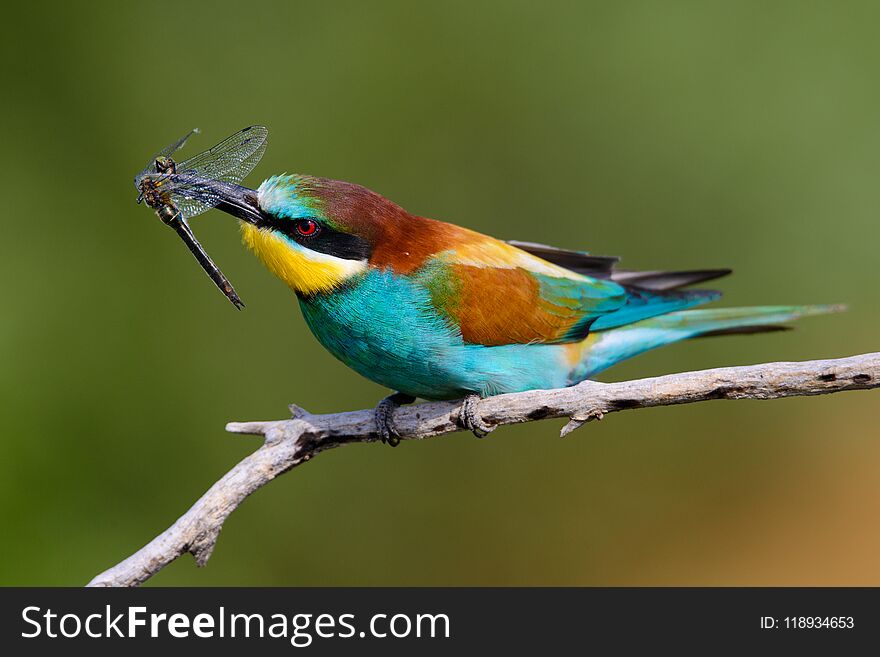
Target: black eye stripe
[323, 240]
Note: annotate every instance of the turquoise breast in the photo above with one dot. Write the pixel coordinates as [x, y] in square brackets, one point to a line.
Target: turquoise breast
[385, 328]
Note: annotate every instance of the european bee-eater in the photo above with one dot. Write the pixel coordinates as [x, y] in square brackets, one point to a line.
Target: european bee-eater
[437, 311]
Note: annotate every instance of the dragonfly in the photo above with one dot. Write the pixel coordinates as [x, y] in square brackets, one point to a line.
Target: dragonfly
[178, 191]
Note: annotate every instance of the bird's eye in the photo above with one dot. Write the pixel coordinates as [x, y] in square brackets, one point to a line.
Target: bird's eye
[307, 227]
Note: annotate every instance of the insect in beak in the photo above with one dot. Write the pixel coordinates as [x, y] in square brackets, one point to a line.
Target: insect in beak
[179, 191]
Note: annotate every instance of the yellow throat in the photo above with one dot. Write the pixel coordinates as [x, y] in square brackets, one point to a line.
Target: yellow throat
[304, 271]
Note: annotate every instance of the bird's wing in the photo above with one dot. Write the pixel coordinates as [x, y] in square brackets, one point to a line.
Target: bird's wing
[497, 294]
[583, 262]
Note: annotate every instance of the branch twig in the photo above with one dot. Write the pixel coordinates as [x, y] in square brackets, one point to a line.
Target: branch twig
[289, 443]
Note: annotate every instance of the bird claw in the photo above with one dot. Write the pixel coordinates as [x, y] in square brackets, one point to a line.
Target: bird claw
[383, 415]
[469, 417]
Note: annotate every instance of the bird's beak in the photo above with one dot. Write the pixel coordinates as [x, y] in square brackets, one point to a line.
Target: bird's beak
[240, 202]
[233, 199]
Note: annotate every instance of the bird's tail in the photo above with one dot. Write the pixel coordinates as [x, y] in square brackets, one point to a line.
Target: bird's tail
[603, 349]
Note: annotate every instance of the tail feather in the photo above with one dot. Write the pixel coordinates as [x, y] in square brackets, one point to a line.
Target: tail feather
[745, 330]
[603, 349]
[642, 304]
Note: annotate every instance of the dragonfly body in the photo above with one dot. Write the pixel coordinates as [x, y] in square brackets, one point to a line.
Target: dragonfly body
[154, 197]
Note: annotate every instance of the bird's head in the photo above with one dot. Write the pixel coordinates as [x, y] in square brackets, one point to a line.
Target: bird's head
[318, 234]
[313, 233]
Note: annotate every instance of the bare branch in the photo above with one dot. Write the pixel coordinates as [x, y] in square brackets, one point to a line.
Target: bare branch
[289, 443]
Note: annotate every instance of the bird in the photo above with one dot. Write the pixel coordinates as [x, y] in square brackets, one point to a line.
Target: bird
[437, 311]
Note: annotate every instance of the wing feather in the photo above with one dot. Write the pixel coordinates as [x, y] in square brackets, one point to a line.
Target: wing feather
[583, 262]
[496, 294]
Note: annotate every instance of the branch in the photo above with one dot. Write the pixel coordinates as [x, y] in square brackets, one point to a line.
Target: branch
[289, 443]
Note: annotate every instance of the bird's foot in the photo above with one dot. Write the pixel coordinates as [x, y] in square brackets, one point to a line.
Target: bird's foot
[469, 417]
[384, 417]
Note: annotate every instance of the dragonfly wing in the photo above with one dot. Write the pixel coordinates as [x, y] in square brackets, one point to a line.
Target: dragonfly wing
[232, 159]
[165, 152]
[191, 194]
[190, 207]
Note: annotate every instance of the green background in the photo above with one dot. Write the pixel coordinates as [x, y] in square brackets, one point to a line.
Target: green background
[741, 134]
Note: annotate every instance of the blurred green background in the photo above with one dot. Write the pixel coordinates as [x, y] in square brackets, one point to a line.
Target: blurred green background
[673, 134]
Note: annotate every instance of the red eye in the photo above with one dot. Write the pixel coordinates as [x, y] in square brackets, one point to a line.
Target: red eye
[307, 227]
